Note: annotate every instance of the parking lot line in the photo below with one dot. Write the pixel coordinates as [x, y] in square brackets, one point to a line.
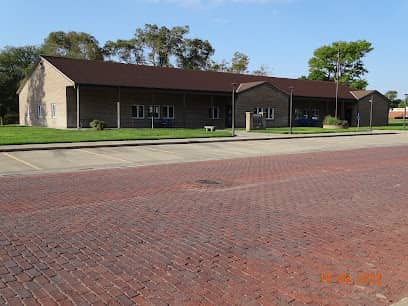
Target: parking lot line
[22, 161]
[158, 150]
[105, 156]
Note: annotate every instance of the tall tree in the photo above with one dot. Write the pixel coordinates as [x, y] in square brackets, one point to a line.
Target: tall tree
[161, 42]
[323, 64]
[194, 54]
[72, 44]
[126, 51]
[15, 64]
[239, 63]
[262, 70]
[222, 66]
[392, 96]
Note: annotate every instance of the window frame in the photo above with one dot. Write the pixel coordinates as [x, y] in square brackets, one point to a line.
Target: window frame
[53, 111]
[211, 109]
[40, 111]
[138, 106]
[261, 109]
[166, 113]
[153, 111]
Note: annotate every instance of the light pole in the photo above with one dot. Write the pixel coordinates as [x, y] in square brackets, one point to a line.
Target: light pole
[405, 110]
[337, 81]
[371, 112]
[234, 85]
[291, 88]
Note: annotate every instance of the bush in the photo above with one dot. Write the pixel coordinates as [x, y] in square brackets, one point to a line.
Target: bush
[11, 118]
[98, 125]
[329, 120]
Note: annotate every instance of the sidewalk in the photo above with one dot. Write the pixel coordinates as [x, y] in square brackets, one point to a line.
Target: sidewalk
[240, 136]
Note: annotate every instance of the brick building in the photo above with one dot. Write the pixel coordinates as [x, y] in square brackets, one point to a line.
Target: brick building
[69, 93]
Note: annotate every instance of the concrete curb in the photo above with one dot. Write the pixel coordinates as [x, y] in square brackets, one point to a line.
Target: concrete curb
[113, 144]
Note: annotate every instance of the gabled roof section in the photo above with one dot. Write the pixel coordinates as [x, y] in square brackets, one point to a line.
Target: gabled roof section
[141, 76]
[245, 86]
[360, 94]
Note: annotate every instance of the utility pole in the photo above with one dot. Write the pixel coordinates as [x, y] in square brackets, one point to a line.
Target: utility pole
[291, 88]
[405, 111]
[337, 81]
[371, 112]
[234, 85]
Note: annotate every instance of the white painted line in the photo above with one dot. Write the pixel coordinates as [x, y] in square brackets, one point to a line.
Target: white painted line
[22, 161]
[157, 150]
[105, 156]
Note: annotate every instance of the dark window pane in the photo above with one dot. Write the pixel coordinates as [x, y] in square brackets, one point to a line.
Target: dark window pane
[171, 112]
[134, 111]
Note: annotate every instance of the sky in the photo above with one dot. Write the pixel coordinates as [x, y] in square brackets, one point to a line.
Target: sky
[281, 34]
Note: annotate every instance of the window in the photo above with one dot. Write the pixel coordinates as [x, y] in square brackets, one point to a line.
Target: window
[168, 111]
[268, 112]
[298, 114]
[39, 111]
[214, 112]
[53, 110]
[138, 111]
[154, 110]
[315, 114]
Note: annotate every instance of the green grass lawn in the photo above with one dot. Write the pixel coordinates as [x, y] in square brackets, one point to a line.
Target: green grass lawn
[26, 135]
[395, 124]
[309, 130]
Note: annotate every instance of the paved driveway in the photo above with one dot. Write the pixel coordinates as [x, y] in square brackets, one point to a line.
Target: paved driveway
[314, 228]
[96, 158]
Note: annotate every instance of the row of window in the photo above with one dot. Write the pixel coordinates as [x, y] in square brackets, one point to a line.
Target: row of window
[166, 111]
[267, 112]
[313, 114]
[40, 111]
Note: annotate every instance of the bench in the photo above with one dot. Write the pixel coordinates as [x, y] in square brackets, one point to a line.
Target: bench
[209, 128]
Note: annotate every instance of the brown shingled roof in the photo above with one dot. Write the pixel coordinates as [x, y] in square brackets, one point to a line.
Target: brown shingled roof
[359, 94]
[128, 75]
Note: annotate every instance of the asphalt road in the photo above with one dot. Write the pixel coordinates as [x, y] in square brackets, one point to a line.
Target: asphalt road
[97, 158]
[317, 228]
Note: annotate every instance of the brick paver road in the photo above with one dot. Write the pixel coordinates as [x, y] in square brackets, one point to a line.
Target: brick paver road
[261, 233]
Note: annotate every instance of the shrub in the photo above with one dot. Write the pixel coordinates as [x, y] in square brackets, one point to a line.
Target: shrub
[98, 125]
[329, 120]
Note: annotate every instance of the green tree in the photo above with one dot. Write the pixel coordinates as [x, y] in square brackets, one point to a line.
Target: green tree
[15, 64]
[72, 44]
[392, 96]
[161, 42]
[194, 54]
[323, 64]
[222, 66]
[239, 63]
[262, 70]
[126, 51]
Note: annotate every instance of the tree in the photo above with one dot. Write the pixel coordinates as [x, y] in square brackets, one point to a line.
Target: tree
[392, 96]
[72, 44]
[239, 63]
[126, 51]
[15, 64]
[262, 70]
[161, 42]
[323, 64]
[222, 66]
[194, 54]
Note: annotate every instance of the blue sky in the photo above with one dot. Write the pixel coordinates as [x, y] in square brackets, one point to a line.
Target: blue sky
[281, 34]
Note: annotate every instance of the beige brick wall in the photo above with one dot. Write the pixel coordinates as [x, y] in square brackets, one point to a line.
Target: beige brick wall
[97, 102]
[45, 86]
[263, 96]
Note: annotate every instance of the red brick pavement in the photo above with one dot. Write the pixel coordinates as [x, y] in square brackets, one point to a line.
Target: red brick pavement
[262, 236]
